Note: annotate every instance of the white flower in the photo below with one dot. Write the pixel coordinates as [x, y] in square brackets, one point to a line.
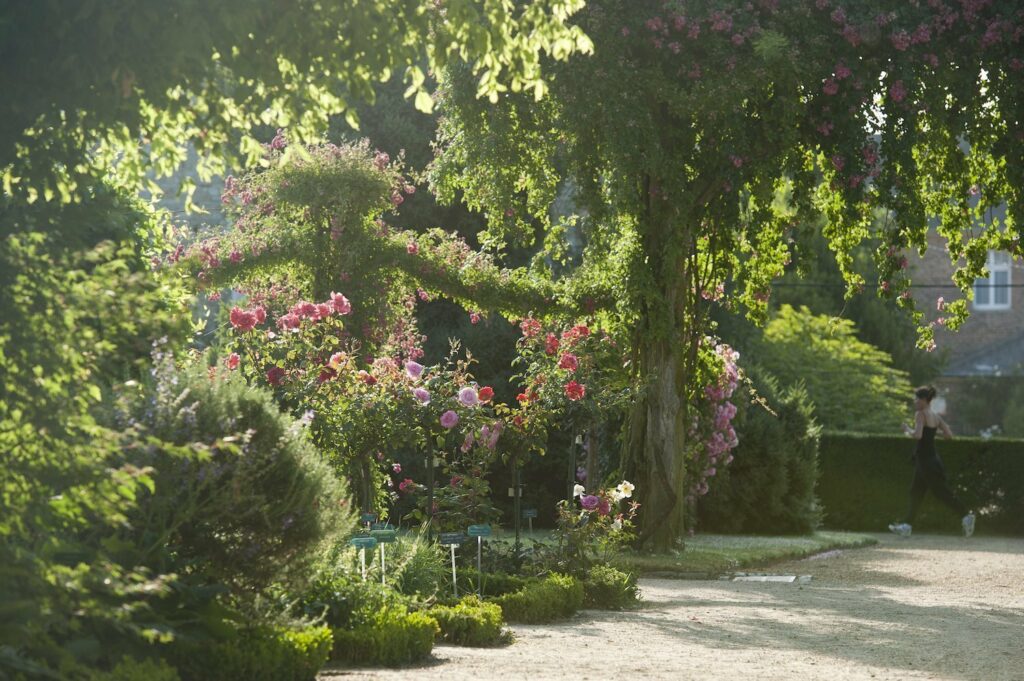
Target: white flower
[624, 490]
[617, 524]
[578, 490]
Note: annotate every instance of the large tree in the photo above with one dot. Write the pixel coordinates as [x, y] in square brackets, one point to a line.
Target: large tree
[131, 83]
[699, 136]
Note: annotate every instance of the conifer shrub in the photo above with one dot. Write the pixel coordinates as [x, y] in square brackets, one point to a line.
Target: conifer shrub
[769, 488]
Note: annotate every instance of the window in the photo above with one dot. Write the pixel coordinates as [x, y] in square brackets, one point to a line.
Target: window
[993, 291]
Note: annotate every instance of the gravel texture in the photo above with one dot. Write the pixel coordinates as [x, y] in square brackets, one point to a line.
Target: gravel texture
[927, 607]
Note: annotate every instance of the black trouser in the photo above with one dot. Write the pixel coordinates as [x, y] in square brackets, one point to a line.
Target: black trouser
[929, 474]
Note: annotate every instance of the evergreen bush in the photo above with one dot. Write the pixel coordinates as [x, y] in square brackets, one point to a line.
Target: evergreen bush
[770, 486]
[865, 482]
[608, 588]
[257, 654]
[556, 597]
[393, 637]
[471, 622]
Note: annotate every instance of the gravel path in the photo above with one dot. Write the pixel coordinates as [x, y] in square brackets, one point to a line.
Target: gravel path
[927, 607]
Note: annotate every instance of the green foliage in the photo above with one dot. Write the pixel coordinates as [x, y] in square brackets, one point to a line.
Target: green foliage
[393, 637]
[494, 583]
[129, 669]
[255, 502]
[471, 622]
[555, 598]
[417, 567]
[75, 112]
[770, 486]
[865, 480]
[608, 588]
[852, 384]
[258, 654]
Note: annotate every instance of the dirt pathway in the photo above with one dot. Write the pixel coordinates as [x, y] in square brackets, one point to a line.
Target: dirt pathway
[928, 607]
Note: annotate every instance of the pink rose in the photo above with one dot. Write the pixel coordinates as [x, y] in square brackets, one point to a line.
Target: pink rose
[449, 419]
[340, 303]
[413, 369]
[568, 362]
[469, 397]
[574, 391]
[422, 395]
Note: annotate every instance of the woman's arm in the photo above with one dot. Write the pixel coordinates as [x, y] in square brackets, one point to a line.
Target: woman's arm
[918, 425]
[946, 431]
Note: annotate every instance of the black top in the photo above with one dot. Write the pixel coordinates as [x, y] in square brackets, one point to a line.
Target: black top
[926, 445]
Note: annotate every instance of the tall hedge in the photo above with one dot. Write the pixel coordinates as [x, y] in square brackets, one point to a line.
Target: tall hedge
[769, 487]
[865, 482]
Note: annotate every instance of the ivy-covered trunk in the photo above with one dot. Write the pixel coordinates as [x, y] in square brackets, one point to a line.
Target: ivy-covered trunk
[657, 434]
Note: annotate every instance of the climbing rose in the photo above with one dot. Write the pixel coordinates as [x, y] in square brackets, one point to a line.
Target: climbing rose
[530, 327]
[449, 419]
[406, 484]
[396, 468]
[486, 393]
[589, 502]
[260, 314]
[568, 361]
[340, 303]
[233, 361]
[422, 395]
[551, 344]
[574, 391]
[413, 369]
[336, 359]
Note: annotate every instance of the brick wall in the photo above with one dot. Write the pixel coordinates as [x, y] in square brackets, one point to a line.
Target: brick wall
[989, 337]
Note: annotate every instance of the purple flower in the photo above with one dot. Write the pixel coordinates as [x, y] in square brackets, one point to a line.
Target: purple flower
[422, 394]
[589, 502]
[581, 473]
[468, 396]
[449, 419]
[413, 369]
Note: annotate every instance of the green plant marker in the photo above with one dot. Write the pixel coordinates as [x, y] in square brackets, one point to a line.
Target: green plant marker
[368, 518]
[451, 540]
[530, 514]
[363, 543]
[384, 534]
[479, 531]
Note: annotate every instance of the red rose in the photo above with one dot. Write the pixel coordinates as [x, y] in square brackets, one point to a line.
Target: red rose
[275, 375]
[568, 361]
[521, 397]
[551, 344]
[574, 391]
[486, 393]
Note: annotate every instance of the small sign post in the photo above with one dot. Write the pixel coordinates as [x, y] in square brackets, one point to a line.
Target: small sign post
[367, 519]
[479, 531]
[530, 514]
[451, 540]
[384, 534]
[363, 543]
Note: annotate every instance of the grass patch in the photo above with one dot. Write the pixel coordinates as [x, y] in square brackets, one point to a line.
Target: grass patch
[714, 554]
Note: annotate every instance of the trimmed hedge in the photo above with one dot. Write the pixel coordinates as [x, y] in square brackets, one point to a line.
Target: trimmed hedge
[865, 482]
[557, 597]
[471, 622]
[259, 654]
[393, 638]
[608, 588]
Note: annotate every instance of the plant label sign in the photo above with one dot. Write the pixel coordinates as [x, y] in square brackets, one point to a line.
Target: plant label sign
[479, 531]
[383, 536]
[529, 513]
[451, 538]
[363, 542]
[368, 518]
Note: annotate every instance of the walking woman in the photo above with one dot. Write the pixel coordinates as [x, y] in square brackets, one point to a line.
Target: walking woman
[929, 473]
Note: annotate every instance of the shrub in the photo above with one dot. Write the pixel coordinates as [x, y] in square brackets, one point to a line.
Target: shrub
[257, 654]
[557, 597]
[345, 602]
[393, 637]
[251, 500]
[471, 622]
[865, 481]
[494, 583]
[608, 588]
[130, 669]
[769, 487]
[419, 566]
